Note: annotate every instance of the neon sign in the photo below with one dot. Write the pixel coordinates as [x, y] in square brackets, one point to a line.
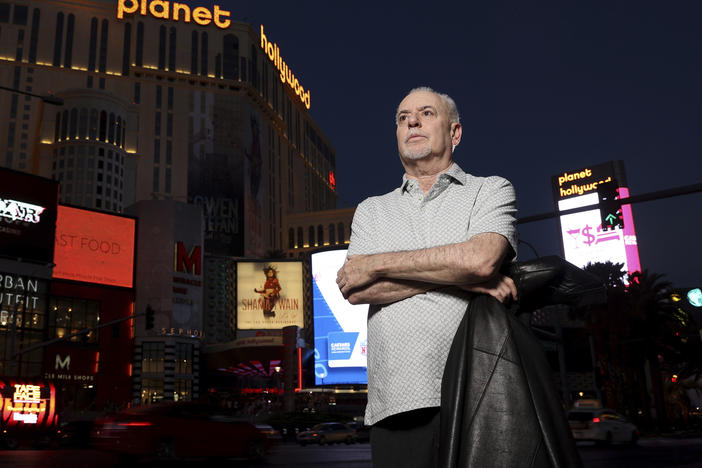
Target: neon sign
[20, 211]
[286, 75]
[27, 403]
[164, 10]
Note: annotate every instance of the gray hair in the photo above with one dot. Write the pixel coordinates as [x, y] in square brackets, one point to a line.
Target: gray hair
[445, 98]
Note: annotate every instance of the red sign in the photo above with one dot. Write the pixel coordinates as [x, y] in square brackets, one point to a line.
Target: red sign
[94, 247]
[188, 261]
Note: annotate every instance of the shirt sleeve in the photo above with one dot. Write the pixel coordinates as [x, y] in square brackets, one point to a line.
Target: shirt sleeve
[495, 211]
[360, 242]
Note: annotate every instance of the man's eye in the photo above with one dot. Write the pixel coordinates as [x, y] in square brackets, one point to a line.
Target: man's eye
[427, 113]
[402, 118]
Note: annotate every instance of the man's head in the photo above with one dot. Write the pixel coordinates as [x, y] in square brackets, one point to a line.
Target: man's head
[428, 125]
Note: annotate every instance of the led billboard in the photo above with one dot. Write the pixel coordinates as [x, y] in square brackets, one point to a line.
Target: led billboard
[269, 295]
[94, 247]
[583, 239]
[27, 216]
[27, 403]
[339, 327]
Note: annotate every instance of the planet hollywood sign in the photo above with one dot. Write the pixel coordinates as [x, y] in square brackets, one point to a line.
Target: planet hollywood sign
[182, 12]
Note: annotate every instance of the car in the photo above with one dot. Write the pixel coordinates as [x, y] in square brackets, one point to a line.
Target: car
[601, 425]
[179, 430]
[362, 431]
[327, 433]
[270, 432]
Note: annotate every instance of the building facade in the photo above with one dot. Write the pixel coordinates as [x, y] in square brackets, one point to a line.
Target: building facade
[159, 108]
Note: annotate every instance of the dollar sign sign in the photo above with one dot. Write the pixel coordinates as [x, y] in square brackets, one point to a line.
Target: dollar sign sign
[590, 238]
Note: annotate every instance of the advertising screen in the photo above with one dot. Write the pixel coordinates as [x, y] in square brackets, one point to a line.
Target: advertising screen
[27, 216]
[94, 247]
[27, 403]
[584, 240]
[269, 295]
[339, 327]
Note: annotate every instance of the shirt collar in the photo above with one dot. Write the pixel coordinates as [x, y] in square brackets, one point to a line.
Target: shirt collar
[453, 173]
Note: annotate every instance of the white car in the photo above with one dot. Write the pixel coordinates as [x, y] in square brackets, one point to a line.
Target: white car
[601, 425]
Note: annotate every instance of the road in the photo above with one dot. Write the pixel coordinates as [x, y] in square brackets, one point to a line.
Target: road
[649, 453]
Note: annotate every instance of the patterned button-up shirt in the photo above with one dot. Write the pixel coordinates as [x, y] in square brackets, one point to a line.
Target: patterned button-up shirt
[409, 340]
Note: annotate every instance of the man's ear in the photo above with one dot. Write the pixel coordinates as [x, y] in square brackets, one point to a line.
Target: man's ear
[456, 133]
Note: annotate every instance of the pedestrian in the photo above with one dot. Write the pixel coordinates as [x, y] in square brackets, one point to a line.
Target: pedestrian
[417, 255]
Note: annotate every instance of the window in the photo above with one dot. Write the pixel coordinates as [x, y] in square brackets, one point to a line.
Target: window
[310, 232]
[126, 49]
[300, 240]
[203, 55]
[159, 96]
[152, 356]
[230, 62]
[36, 16]
[58, 38]
[111, 128]
[4, 12]
[73, 130]
[93, 125]
[169, 152]
[162, 47]
[151, 391]
[182, 390]
[170, 98]
[93, 44]
[137, 93]
[68, 59]
[193, 54]
[340, 231]
[83, 124]
[64, 125]
[169, 125]
[157, 124]
[140, 45]
[332, 234]
[103, 50]
[172, 49]
[156, 181]
[118, 131]
[70, 315]
[21, 13]
[184, 358]
[168, 180]
[291, 238]
[157, 151]
[103, 125]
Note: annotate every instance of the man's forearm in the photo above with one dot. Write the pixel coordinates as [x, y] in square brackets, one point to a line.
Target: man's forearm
[470, 262]
[386, 291]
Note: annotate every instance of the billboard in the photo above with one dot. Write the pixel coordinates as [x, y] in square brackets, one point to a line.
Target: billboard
[269, 295]
[340, 328]
[27, 216]
[94, 247]
[583, 239]
[27, 403]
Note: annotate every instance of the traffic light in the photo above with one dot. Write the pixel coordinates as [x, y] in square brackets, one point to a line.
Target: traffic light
[610, 207]
[149, 318]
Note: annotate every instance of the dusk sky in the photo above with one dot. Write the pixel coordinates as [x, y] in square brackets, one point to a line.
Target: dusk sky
[542, 88]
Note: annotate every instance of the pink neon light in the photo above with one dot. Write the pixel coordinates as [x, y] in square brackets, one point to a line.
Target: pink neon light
[633, 262]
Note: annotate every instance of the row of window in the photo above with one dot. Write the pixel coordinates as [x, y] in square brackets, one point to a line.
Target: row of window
[87, 124]
[336, 235]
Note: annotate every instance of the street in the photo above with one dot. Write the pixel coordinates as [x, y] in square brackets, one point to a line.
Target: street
[649, 453]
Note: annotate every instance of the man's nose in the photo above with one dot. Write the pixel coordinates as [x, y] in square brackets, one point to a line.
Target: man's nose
[412, 120]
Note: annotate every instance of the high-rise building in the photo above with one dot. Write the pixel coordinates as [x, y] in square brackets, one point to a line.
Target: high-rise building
[163, 102]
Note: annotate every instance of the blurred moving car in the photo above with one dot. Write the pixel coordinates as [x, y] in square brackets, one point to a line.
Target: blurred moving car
[327, 433]
[74, 434]
[601, 425]
[179, 430]
[362, 431]
[270, 432]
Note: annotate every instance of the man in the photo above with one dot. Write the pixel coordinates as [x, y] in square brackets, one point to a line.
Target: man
[416, 255]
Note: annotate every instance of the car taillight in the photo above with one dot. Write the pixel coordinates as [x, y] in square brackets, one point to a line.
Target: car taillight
[135, 424]
[595, 420]
[315, 434]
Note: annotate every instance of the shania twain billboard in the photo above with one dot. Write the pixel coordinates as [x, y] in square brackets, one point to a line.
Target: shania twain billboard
[269, 295]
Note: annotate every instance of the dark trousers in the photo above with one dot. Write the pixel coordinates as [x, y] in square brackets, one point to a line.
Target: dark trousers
[406, 440]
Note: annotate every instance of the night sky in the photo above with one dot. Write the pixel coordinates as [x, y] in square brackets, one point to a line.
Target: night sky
[542, 88]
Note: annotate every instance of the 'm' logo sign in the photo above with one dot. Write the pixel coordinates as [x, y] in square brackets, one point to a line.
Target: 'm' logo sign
[188, 261]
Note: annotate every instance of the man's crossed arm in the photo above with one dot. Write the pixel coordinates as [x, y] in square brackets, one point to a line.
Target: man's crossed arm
[389, 277]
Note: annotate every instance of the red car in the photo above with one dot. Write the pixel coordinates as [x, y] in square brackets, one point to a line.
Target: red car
[179, 430]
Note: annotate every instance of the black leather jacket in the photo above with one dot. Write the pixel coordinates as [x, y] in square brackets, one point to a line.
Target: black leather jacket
[499, 407]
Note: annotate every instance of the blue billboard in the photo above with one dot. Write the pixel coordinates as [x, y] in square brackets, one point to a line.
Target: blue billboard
[339, 327]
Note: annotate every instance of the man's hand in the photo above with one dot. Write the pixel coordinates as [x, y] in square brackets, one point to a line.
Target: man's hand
[500, 287]
[356, 273]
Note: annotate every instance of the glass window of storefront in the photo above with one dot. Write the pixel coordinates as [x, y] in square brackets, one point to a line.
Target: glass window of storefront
[151, 391]
[152, 354]
[184, 358]
[69, 315]
[183, 390]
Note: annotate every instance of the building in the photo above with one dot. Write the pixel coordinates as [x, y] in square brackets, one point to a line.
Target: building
[247, 152]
